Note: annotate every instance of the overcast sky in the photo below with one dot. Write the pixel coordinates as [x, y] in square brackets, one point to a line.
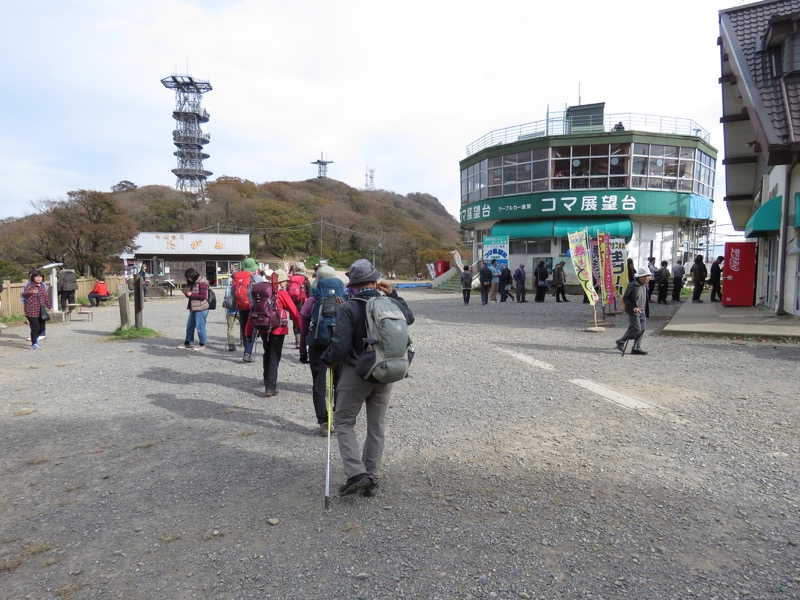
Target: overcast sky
[400, 87]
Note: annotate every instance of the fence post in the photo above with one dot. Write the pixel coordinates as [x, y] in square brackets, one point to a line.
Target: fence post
[138, 301]
[124, 310]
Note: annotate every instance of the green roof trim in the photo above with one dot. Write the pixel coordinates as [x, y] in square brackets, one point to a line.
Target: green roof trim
[617, 227]
[525, 230]
[766, 220]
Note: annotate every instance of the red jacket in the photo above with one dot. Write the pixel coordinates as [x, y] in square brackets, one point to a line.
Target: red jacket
[100, 288]
[287, 306]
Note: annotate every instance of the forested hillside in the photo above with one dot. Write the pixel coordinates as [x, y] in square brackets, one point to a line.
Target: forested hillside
[286, 220]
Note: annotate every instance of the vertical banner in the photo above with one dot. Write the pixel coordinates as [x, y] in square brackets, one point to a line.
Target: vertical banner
[496, 247]
[579, 251]
[606, 268]
[619, 265]
[594, 248]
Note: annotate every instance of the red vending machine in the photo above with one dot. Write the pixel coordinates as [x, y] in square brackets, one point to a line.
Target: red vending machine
[739, 274]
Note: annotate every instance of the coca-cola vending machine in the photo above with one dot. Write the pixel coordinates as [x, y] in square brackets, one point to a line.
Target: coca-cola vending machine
[739, 274]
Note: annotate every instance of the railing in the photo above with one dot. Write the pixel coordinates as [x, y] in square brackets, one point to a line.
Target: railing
[12, 292]
[559, 124]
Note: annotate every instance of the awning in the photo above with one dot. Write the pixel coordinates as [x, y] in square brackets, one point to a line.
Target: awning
[766, 220]
[525, 230]
[615, 226]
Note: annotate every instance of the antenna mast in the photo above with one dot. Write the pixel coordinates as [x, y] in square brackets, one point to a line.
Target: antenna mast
[322, 164]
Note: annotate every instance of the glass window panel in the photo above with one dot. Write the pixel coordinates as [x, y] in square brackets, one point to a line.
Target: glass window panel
[484, 165]
[670, 184]
[496, 176]
[581, 150]
[496, 161]
[580, 183]
[464, 188]
[656, 166]
[561, 168]
[687, 153]
[509, 159]
[509, 174]
[599, 166]
[474, 196]
[639, 165]
[599, 150]
[685, 185]
[560, 184]
[638, 182]
[598, 182]
[561, 152]
[509, 188]
[517, 246]
[641, 149]
[541, 154]
[670, 151]
[671, 167]
[495, 190]
[654, 183]
[686, 168]
[579, 167]
[618, 165]
[523, 157]
[524, 187]
[617, 149]
[484, 179]
[524, 172]
[656, 150]
[617, 182]
[542, 185]
[471, 170]
[539, 170]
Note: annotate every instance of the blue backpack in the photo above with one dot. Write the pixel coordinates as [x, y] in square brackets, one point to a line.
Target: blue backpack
[328, 297]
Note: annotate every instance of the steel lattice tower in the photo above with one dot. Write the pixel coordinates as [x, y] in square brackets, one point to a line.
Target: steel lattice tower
[188, 136]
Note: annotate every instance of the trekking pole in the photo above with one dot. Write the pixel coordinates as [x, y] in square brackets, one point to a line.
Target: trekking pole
[625, 347]
[329, 406]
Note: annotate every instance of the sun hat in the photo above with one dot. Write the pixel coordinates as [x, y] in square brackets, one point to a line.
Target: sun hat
[642, 273]
[282, 276]
[362, 271]
[250, 265]
[326, 272]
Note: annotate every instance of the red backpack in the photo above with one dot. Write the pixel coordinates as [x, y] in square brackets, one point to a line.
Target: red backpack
[297, 288]
[265, 314]
[241, 283]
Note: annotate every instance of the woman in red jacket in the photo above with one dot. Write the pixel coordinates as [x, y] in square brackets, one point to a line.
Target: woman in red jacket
[273, 343]
[99, 292]
[35, 297]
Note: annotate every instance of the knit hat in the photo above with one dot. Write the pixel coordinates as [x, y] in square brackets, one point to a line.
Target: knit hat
[282, 276]
[362, 271]
[250, 265]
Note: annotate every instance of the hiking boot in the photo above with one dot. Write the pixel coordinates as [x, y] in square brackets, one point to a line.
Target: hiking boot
[231, 348]
[323, 429]
[354, 485]
[371, 490]
[247, 358]
[185, 347]
[270, 393]
[639, 352]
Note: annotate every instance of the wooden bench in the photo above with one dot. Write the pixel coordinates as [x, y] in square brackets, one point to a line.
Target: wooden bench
[80, 309]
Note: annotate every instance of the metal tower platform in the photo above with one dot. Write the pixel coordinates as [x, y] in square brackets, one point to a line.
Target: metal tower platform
[188, 135]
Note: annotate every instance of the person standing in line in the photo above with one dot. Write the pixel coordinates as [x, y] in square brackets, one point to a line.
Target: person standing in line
[677, 281]
[715, 279]
[560, 282]
[635, 298]
[196, 292]
[698, 273]
[231, 316]
[506, 280]
[485, 280]
[519, 279]
[67, 286]
[35, 296]
[540, 275]
[495, 280]
[145, 283]
[663, 277]
[651, 266]
[242, 281]
[273, 340]
[362, 467]
[299, 289]
[325, 285]
[466, 284]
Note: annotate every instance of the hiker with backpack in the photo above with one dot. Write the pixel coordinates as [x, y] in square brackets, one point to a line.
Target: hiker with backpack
[241, 282]
[318, 318]
[380, 343]
[299, 289]
[271, 309]
[197, 293]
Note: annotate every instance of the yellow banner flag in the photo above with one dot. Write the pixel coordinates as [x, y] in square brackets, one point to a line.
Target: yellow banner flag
[581, 260]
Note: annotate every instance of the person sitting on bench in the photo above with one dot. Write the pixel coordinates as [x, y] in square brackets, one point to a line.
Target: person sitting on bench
[99, 292]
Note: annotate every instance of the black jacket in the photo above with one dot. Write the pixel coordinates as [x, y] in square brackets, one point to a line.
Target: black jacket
[485, 275]
[351, 326]
[716, 273]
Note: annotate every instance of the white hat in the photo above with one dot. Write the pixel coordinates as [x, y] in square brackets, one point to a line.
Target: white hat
[643, 273]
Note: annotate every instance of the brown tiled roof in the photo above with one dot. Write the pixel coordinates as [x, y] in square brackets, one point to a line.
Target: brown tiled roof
[743, 29]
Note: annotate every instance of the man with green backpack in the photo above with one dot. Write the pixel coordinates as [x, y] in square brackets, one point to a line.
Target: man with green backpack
[371, 343]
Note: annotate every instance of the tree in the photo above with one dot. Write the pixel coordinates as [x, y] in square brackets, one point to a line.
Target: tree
[123, 186]
[288, 229]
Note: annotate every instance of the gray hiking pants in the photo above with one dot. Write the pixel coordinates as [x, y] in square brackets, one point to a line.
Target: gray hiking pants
[636, 326]
[351, 393]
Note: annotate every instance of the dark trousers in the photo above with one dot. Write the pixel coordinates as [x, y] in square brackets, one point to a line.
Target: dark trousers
[521, 291]
[466, 293]
[560, 293]
[651, 285]
[501, 287]
[716, 291]
[244, 316]
[37, 326]
[677, 285]
[273, 348]
[319, 388]
[662, 292]
[698, 290]
[66, 298]
[95, 299]
[541, 291]
[484, 293]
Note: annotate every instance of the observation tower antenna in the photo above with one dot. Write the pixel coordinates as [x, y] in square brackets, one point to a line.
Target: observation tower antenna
[188, 136]
[322, 164]
[369, 179]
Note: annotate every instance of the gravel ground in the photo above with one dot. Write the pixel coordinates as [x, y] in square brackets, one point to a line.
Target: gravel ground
[136, 470]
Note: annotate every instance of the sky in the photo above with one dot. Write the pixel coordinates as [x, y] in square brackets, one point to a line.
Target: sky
[400, 87]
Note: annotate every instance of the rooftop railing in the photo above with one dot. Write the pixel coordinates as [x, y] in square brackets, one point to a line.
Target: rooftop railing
[560, 124]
